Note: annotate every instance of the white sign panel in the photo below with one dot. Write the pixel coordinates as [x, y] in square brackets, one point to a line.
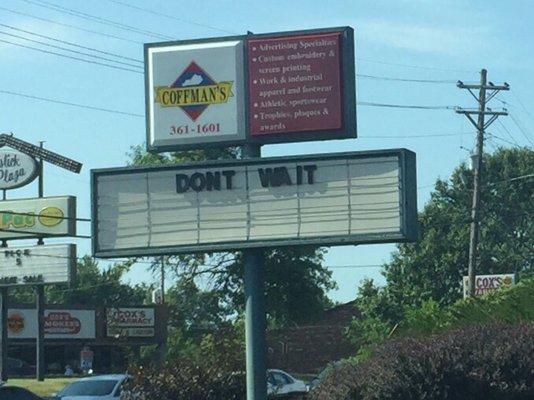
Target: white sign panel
[45, 264]
[344, 198]
[194, 94]
[58, 324]
[29, 218]
[130, 322]
[16, 169]
[488, 283]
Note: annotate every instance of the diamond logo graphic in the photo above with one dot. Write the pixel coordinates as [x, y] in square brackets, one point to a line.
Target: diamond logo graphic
[193, 91]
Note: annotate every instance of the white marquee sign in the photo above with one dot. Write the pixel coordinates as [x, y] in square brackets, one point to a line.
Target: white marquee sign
[361, 197]
[37, 265]
[16, 169]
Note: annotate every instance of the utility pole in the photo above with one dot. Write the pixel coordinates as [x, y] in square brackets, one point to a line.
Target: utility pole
[486, 91]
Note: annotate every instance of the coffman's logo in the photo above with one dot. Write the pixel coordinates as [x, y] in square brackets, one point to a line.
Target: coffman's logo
[193, 91]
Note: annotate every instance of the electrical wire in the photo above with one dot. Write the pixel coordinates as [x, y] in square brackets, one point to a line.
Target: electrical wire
[94, 18]
[44, 216]
[71, 57]
[71, 43]
[50, 21]
[187, 21]
[72, 51]
[521, 129]
[508, 132]
[66, 103]
[388, 78]
[414, 66]
[418, 107]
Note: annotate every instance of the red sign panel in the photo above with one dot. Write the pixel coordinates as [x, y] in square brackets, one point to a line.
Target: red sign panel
[295, 84]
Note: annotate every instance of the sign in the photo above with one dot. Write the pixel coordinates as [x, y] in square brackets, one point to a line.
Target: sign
[302, 83]
[30, 218]
[58, 324]
[16, 169]
[194, 93]
[488, 283]
[86, 359]
[44, 264]
[300, 86]
[327, 199]
[130, 322]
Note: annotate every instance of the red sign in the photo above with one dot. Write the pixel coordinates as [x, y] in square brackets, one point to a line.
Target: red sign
[295, 84]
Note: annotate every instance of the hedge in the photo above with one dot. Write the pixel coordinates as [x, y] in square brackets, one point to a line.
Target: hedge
[477, 362]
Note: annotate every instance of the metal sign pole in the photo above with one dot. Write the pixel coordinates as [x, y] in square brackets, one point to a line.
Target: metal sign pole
[3, 336]
[39, 304]
[255, 323]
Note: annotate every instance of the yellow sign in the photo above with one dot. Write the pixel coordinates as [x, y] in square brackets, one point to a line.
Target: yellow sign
[194, 95]
[51, 216]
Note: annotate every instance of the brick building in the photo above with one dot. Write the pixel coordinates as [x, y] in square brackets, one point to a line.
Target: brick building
[308, 349]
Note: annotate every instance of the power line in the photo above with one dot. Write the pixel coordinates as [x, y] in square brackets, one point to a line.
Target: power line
[66, 103]
[418, 107]
[71, 44]
[522, 105]
[39, 234]
[508, 132]
[71, 57]
[353, 266]
[414, 66]
[45, 216]
[187, 21]
[70, 50]
[50, 21]
[388, 78]
[94, 18]
[502, 139]
[521, 129]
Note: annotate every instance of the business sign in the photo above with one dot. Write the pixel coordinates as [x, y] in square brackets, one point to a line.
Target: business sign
[16, 169]
[37, 265]
[327, 199]
[58, 324]
[488, 283]
[194, 93]
[301, 86]
[267, 88]
[30, 218]
[130, 322]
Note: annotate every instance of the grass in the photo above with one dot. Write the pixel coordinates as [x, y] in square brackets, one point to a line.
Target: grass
[46, 388]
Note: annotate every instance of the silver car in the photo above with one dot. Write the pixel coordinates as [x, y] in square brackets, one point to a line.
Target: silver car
[103, 387]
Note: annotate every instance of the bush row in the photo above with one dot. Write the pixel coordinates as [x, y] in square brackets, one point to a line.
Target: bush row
[475, 362]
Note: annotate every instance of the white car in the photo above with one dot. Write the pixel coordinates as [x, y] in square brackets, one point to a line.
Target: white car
[281, 383]
[103, 387]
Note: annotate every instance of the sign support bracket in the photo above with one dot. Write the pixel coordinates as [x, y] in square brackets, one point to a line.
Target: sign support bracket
[256, 347]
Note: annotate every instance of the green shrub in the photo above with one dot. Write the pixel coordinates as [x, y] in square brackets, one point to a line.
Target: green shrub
[486, 362]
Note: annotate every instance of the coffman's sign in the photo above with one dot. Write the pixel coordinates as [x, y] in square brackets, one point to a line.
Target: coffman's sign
[16, 169]
[489, 283]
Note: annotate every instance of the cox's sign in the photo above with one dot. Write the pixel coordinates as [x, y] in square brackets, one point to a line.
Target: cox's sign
[16, 169]
[489, 283]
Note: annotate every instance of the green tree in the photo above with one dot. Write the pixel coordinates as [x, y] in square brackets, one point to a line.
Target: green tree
[430, 271]
[94, 287]
[296, 281]
[432, 268]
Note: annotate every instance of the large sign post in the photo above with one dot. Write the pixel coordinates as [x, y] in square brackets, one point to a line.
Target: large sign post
[251, 90]
[20, 163]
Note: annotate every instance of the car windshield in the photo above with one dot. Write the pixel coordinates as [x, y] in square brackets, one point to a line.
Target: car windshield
[89, 388]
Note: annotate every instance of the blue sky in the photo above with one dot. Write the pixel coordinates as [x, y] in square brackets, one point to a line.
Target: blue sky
[412, 39]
